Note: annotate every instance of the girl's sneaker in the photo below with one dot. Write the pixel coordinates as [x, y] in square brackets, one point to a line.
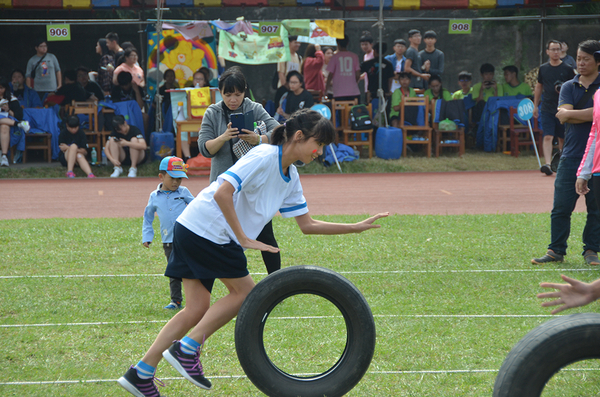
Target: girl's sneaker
[187, 365]
[70, 174]
[90, 175]
[117, 171]
[137, 386]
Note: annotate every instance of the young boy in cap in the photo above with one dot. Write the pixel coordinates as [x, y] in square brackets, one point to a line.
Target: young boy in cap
[168, 201]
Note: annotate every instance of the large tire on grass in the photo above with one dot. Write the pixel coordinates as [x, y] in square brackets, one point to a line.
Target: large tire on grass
[360, 333]
[544, 351]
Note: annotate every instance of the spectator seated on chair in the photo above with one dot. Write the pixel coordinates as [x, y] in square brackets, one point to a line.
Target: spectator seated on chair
[486, 89]
[200, 79]
[10, 114]
[488, 86]
[464, 81]
[83, 78]
[513, 87]
[404, 91]
[436, 91]
[73, 148]
[297, 97]
[27, 97]
[125, 145]
[128, 90]
[169, 83]
[72, 90]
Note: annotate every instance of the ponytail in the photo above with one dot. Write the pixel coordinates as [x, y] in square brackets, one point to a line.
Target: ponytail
[310, 122]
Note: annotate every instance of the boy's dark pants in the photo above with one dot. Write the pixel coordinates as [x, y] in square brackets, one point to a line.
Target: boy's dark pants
[174, 283]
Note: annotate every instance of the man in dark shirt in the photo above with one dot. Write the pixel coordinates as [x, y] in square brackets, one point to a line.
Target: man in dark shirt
[371, 68]
[71, 89]
[575, 111]
[92, 87]
[126, 90]
[551, 77]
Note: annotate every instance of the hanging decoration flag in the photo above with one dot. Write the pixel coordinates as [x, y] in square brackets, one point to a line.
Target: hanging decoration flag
[333, 27]
[297, 27]
[254, 49]
[239, 26]
[317, 36]
[200, 100]
[190, 31]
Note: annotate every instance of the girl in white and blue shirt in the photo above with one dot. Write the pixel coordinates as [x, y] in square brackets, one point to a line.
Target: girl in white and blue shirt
[212, 233]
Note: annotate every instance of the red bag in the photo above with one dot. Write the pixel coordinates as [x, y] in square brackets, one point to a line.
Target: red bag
[199, 165]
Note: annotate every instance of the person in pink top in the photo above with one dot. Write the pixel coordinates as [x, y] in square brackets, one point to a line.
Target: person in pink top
[130, 65]
[590, 163]
[344, 72]
[311, 68]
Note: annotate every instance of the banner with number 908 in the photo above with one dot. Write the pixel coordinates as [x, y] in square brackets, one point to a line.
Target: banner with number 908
[58, 32]
[460, 26]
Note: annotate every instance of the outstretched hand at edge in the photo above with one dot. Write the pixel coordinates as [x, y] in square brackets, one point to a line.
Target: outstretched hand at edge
[574, 294]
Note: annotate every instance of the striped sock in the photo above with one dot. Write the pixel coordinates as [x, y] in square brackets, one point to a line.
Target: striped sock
[189, 346]
[144, 370]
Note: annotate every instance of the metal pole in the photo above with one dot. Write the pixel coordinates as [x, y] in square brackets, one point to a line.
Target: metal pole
[542, 25]
[157, 99]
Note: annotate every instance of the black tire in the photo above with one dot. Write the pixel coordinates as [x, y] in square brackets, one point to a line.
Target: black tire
[544, 351]
[360, 332]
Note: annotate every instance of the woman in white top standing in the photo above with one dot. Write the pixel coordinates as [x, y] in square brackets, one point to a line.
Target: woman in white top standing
[210, 237]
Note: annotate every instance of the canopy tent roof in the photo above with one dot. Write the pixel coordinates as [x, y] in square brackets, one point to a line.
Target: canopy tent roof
[368, 5]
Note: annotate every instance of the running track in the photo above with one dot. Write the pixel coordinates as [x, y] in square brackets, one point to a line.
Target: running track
[449, 193]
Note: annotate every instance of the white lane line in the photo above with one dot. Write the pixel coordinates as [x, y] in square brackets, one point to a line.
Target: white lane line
[342, 272]
[292, 318]
[450, 371]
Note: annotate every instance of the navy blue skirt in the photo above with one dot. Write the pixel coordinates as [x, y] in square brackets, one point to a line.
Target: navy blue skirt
[195, 257]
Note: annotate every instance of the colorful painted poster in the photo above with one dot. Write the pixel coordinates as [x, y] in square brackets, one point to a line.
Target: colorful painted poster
[182, 55]
[254, 49]
[317, 36]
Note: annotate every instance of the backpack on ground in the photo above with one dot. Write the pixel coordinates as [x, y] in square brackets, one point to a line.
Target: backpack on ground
[360, 119]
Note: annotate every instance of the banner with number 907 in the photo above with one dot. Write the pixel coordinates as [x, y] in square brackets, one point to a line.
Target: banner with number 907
[58, 32]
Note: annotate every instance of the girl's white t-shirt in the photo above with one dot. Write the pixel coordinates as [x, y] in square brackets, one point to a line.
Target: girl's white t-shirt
[261, 190]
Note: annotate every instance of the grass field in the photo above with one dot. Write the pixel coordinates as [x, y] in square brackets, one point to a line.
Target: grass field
[81, 300]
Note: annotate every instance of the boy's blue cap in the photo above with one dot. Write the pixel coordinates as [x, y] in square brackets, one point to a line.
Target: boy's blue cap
[174, 166]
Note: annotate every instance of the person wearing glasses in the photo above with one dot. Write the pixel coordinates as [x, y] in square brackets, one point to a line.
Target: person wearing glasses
[43, 71]
[464, 81]
[551, 77]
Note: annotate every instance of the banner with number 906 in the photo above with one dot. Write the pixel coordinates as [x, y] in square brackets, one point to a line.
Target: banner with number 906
[58, 32]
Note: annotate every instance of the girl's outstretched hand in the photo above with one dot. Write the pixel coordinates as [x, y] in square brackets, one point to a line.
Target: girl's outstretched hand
[368, 223]
[257, 245]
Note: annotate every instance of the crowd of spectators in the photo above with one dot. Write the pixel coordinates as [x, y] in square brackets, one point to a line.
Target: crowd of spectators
[322, 73]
